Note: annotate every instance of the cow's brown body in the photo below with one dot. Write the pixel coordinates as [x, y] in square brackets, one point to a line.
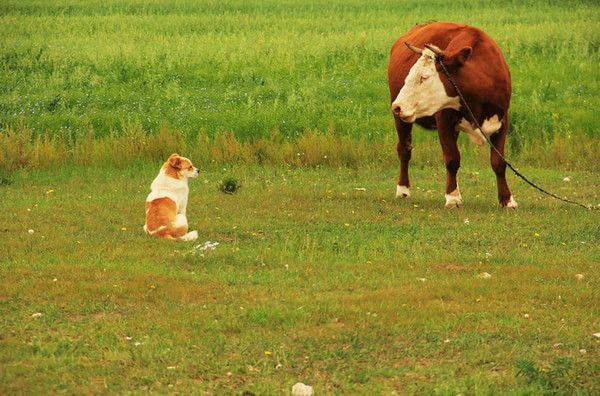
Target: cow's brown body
[484, 80]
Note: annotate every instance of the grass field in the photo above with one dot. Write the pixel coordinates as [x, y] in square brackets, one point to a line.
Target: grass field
[320, 275]
[70, 67]
[350, 291]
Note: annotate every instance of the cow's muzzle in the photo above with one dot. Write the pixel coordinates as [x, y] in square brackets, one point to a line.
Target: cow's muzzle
[403, 115]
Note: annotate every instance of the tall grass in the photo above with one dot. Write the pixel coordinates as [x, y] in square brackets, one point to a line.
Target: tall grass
[252, 67]
[22, 148]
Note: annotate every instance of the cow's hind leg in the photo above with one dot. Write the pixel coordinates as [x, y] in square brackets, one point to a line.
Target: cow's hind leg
[448, 138]
[499, 166]
[404, 149]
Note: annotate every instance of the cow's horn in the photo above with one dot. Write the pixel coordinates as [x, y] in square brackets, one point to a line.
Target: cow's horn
[435, 49]
[413, 48]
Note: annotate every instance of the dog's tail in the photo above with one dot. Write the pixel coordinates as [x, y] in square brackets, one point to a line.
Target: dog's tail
[159, 229]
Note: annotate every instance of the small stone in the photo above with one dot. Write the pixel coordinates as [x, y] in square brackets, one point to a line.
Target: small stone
[579, 276]
[300, 389]
[421, 279]
[526, 316]
[484, 275]
[36, 315]
[30, 231]
[582, 351]
[566, 179]
[558, 345]
[597, 335]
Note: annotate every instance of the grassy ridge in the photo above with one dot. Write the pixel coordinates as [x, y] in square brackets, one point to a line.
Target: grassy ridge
[252, 67]
[347, 290]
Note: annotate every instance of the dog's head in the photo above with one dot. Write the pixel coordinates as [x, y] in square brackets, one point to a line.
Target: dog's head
[179, 167]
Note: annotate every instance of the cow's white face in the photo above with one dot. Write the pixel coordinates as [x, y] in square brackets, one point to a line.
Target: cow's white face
[423, 93]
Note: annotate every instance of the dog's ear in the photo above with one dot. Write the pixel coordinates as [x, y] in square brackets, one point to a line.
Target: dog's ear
[175, 161]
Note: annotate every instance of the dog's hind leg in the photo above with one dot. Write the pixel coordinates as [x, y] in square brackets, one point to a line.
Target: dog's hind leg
[181, 227]
[190, 236]
[180, 222]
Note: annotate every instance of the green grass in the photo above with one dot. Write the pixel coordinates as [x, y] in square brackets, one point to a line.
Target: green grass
[313, 281]
[255, 66]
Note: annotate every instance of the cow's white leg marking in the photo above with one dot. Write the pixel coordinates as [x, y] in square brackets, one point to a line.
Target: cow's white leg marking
[512, 204]
[454, 199]
[490, 126]
[402, 192]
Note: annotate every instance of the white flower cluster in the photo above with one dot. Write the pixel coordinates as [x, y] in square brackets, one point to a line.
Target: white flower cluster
[208, 245]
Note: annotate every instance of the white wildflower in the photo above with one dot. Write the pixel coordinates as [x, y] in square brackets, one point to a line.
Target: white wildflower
[208, 245]
[484, 275]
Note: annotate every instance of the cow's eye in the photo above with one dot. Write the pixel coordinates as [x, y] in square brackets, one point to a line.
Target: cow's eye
[424, 77]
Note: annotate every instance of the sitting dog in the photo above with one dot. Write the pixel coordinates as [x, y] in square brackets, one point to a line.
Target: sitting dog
[166, 204]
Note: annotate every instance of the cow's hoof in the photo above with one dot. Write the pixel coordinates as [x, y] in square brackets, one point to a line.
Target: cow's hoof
[402, 192]
[453, 200]
[511, 204]
[456, 203]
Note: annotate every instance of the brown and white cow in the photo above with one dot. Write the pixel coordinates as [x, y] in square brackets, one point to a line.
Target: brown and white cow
[421, 92]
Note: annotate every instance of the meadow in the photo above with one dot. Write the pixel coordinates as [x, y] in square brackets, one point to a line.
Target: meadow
[314, 280]
[319, 276]
[71, 69]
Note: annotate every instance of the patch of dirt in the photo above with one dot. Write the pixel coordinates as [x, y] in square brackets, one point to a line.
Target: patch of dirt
[450, 267]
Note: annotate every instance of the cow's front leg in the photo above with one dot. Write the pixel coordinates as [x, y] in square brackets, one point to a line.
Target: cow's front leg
[448, 138]
[404, 149]
[499, 166]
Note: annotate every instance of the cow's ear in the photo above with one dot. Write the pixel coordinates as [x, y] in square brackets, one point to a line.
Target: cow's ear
[458, 58]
